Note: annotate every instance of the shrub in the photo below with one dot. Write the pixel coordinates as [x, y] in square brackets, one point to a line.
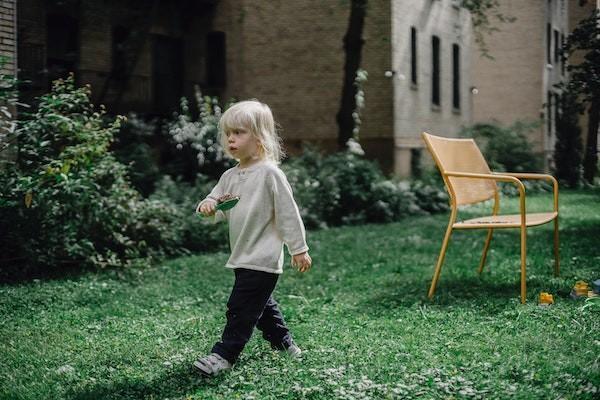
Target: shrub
[506, 149]
[196, 233]
[199, 137]
[568, 149]
[66, 200]
[136, 146]
[345, 188]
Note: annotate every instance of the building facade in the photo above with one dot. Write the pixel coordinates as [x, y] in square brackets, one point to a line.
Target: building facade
[518, 84]
[432, 75]
[425, 73]
[143, 55]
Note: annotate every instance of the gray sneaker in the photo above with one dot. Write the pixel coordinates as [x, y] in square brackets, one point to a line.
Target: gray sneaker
[212, 365]
[294, 351]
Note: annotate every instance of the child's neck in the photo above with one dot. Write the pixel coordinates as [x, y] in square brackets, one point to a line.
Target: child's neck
[250, 161]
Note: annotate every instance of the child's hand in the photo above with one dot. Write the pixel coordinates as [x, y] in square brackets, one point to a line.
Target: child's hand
[208, 208]
[302, 261]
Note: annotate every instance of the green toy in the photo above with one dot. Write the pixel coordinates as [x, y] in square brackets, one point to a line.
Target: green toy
[228, 204]
[225, 205]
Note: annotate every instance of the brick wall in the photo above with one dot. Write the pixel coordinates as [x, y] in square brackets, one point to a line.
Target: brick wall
[414, 111]
[511, 87]
[8, 49]
[8, 33]
[289, 54]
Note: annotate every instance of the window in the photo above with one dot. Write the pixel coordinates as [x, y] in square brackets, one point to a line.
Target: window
[549, 112]
[556, 46]
[562, 59]
[413, 55]
[548, 43]
[62, 45]
[216, 60]
[456, 76]
[435, 70]
[167, 73]
[120, 37]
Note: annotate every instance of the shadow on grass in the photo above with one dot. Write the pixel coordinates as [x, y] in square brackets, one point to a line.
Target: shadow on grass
[180, 381]
[579, 241]
[405, 294]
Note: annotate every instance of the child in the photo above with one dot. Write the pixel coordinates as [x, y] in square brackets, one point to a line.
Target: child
[265, 218]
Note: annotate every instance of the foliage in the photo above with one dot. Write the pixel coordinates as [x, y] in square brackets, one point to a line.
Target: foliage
[136, 145]
[584, 82]
[482, 12]
[200, 135]
[359, 100]
[568, 147]
[66, 200]
[345, 188]
[8, 100]
[505, 148]
[196, 233]
[182, 146]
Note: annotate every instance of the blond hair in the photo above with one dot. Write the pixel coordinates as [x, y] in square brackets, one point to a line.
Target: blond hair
[257, 118]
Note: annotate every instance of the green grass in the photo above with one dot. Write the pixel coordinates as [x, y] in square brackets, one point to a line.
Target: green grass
[361, 316]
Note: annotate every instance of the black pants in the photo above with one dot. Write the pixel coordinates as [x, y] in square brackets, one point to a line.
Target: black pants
[250, 305]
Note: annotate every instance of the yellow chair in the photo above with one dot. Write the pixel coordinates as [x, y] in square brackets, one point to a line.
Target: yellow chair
[469, 180]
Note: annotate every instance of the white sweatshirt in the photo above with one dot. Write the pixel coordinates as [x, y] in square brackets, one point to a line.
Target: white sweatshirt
[263, 220]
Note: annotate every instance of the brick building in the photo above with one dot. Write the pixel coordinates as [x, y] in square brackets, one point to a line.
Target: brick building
[8, 52]
[8, 36]
[142, 55]
[431, 60]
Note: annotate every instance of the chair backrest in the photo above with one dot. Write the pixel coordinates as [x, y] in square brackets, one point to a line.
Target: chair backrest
[461, 155]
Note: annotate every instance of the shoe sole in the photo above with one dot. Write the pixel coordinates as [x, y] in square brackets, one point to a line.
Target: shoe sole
[200, 368]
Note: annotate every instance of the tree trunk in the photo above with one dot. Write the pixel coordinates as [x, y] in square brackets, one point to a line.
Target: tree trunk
[590, 162]
[353, 43]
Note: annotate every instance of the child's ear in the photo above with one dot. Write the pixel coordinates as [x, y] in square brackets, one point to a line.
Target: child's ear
[261, 148]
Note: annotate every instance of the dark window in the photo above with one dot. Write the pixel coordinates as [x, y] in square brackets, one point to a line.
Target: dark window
[562, 59]
[216, 72]
[455, 76]
[62, 45]
[548, 43]
[435, 70]
[413, 55]
[120, 53]
[556, 46]
[549, 112]
[167, 73]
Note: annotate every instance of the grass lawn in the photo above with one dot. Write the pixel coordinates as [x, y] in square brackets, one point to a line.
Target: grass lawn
[361, 316]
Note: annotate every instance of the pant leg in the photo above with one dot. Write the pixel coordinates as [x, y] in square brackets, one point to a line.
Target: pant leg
[273, 326]
[248, 298]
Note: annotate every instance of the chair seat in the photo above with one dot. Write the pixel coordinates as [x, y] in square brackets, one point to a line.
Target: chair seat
[505, 221]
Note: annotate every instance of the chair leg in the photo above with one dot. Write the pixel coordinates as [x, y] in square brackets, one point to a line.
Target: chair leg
[485, 249]
[556, 251]
[523, 265]
[438, 267]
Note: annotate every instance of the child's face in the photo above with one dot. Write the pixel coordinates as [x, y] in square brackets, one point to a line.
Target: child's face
[242, 144]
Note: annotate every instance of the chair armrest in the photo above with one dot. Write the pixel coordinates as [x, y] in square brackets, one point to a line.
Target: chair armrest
[492, 176]
[497, 177]
[545, 177]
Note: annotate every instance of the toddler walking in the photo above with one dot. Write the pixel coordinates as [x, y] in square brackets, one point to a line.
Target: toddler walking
[265, 218]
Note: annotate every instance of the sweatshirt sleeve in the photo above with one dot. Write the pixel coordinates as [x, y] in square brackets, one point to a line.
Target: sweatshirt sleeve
[287, 216]
[214, 196]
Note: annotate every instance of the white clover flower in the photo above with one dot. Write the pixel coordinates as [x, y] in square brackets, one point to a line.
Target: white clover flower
[354, 147]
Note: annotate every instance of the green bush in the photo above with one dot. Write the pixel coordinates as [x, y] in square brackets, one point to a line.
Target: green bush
[66, 200]
[136, 146]
[196, 233]
[506, 148]
[568, 149]
[196, 138]
[344, 188]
